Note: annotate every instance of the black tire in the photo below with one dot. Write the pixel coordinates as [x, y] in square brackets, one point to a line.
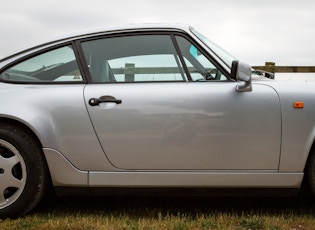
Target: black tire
[23, 171]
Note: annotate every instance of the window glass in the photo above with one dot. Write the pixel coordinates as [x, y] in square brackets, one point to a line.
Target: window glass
[199, 66]
[221, 53]
[53, 66]
[138, 58]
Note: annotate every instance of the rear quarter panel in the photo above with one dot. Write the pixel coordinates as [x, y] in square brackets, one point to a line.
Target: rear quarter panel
[58, 116]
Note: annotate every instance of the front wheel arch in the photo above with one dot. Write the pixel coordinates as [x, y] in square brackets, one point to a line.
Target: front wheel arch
[309, 170]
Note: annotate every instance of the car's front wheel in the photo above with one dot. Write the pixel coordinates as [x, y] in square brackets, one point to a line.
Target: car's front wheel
[23, 171]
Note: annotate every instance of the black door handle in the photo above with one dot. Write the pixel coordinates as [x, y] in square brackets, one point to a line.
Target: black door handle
[104, 99]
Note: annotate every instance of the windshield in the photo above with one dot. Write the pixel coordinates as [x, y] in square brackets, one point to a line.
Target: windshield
[221, 53]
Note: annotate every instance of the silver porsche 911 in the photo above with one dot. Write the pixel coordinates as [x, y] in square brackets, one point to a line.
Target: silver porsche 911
[149, 106]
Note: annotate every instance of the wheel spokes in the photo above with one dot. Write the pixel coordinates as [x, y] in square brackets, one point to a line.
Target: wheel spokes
[7, 178]
[9, 162]
[2, 190]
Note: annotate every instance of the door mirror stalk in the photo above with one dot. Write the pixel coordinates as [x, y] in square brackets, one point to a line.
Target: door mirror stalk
[242, 73]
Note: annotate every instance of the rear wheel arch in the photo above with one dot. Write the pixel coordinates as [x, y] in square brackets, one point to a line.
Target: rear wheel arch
[20, 145]
[20, 125]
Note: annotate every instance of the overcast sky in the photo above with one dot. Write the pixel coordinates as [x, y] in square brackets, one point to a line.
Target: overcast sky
[254, 31]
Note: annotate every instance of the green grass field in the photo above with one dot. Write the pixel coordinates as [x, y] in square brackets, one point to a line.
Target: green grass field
[169, 213]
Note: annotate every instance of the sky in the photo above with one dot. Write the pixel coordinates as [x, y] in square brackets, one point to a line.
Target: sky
[254, 31]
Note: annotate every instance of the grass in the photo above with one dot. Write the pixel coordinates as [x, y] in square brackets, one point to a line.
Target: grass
[169, 213]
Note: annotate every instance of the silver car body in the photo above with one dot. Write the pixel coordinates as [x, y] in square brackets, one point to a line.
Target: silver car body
[175, 134]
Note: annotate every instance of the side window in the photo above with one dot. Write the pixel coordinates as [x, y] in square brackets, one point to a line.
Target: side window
[137, 58]
[58, 65]
[200, 67]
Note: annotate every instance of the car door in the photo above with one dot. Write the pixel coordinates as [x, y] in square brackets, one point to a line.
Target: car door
[160, 104]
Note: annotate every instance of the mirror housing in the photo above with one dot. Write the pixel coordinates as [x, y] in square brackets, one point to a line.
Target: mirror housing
[242, 73]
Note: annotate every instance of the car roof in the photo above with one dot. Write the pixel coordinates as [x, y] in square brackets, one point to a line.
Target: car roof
[123, 28]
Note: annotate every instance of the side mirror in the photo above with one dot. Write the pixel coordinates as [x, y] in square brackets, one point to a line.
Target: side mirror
[242, 73]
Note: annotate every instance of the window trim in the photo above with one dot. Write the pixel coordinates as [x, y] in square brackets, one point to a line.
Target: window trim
[83, 66]
[170, 33]
[126, 34]
[206, 54]
[40, 52]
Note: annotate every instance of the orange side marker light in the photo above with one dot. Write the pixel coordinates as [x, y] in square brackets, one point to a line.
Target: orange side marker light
[298, 105]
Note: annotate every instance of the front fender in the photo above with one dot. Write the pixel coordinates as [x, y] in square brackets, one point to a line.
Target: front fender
[298, 124]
